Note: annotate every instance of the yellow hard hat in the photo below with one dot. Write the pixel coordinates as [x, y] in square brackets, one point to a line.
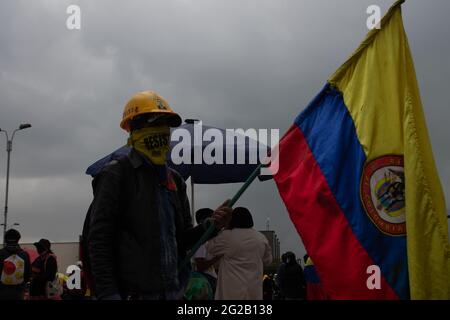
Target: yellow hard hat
[148, 102]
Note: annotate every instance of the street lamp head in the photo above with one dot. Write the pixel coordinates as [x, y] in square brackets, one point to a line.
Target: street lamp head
[24, 126]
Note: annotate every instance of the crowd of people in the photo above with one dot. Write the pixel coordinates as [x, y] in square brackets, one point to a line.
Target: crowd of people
[236, 257]
[289, 283]
[138, 233]
[22, 278]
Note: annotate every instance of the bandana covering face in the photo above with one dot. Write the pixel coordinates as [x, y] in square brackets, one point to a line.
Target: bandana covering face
[153, 142]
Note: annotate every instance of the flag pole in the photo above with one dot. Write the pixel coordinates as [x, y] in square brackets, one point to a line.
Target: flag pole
[212, 228]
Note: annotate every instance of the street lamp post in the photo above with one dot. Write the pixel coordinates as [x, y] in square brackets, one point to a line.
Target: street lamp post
[15, 224]
[9, 149]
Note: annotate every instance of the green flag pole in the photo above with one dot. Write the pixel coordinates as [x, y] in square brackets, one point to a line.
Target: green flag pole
[212, 228]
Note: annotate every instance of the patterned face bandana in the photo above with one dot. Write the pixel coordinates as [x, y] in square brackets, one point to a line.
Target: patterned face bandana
[153, 142]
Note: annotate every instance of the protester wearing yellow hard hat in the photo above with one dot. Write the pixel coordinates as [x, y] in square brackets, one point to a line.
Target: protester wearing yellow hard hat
[139, 223]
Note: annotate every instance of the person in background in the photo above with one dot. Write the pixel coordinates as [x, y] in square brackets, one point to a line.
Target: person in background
[15, 268]
[43, 270]
[204, 263]
[276, 289]
[291, 279]
[268, 287]
[244, 252]
[279, 293]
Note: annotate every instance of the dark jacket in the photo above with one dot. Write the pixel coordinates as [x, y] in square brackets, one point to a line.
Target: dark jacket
[291, 281]
[44, 269]
[124, 234]
[14, 291]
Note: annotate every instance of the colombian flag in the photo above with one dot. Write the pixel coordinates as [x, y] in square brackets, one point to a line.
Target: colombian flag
[357, 175]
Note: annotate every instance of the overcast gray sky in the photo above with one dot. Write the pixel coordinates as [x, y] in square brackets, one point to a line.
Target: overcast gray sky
[231, 63]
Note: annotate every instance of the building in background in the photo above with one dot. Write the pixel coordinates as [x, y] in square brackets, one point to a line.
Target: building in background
[274, 243]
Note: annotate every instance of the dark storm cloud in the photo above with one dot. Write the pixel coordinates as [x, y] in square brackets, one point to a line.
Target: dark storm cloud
[230, 63]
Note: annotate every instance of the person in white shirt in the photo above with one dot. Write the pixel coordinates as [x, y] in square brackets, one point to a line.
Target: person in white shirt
[244, 253]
